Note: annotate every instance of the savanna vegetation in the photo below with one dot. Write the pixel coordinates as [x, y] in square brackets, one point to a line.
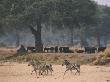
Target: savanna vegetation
[85, 18]
[89, 18]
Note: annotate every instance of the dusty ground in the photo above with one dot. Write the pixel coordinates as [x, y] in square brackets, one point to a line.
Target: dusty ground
[14, 72]
[7, 51]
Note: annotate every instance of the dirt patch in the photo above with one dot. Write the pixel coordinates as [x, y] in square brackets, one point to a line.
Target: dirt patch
[7, 51]
[15, 72]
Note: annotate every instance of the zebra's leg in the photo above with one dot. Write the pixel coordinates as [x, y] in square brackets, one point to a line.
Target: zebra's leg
[47, 72]
[35, 71]
[71, 71]
[77, 71]
[32, 72]
[43, 73]
[51, 71]
[40, 72]
[65, 72]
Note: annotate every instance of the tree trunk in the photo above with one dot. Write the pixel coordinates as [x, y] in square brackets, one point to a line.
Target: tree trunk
[71, 36]
[105, 42]
[38, 39]
[82, 36]
[84, 43]
[17, 38]
[98, 41]
[37, 35]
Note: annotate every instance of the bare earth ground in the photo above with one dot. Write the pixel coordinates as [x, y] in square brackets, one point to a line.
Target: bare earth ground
[7, 51]
[15, 72]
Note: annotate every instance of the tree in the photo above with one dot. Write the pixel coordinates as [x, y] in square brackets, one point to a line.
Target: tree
[1, 30]
[101, 29]
[36, 14]
[9, 16]
[58, 13]
[74, 14]
[29, 13]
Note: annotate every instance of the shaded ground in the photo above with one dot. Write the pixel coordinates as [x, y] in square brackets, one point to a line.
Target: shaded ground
[14, 72]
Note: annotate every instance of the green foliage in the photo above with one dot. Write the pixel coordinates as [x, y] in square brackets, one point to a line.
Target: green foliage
[92, 19]
[1, 30]
[100, 30]
[74, 12]
[66, 12]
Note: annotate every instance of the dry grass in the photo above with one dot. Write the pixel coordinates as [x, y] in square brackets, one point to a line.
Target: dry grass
[55, 58]
[103, 58]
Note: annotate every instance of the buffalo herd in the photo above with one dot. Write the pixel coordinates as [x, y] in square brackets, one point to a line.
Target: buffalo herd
[57, 49]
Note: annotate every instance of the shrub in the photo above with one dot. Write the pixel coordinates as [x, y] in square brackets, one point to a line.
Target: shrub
[102, 58]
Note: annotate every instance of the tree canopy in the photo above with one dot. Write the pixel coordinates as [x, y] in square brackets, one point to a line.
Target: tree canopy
[22, 14]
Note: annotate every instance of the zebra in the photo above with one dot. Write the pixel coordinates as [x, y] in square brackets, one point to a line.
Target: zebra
[71, 66]
[35, 65]
[48, 68]
[45, 68]
[41, 67]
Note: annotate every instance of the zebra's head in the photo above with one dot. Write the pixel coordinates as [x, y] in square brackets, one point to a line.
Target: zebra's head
[31, 63]
[66, 62]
